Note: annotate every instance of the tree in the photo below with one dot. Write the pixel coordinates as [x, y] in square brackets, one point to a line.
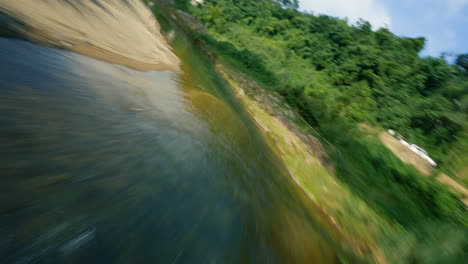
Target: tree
[363, 75]
[462, 61]
[437, 71]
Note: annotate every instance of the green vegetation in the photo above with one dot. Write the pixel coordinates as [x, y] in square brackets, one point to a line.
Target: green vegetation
[328, 69]
[337, 76]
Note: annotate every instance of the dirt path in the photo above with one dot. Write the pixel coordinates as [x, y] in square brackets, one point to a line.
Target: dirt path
[400, 150]
[454, 186]
[405, 154]
[411, 158]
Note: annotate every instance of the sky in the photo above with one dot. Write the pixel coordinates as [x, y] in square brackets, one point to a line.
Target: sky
[444, 23]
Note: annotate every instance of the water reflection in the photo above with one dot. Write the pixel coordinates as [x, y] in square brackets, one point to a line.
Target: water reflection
[104, 164]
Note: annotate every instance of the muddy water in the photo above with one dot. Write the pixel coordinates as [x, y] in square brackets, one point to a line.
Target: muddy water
[101, 163]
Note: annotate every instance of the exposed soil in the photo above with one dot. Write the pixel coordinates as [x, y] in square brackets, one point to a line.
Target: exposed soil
[454, 186]
[405, 154]
[411, 158]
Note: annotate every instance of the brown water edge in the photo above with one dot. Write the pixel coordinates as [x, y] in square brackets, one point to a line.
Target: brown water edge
[118, 213]
[289, 232]
[350, 244]
[352, 248]
[296, 236]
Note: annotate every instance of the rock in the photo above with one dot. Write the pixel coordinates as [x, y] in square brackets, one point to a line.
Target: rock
[191, 21]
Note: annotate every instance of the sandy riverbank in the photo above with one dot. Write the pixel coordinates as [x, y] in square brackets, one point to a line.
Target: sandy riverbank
[122, 33]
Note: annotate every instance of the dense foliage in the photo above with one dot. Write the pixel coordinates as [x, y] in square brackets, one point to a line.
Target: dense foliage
[327, 68]
[339, 75]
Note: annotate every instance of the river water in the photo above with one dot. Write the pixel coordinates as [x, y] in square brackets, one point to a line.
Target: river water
[102, 163]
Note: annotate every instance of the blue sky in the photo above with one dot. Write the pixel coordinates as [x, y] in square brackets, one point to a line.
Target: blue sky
[444, 23]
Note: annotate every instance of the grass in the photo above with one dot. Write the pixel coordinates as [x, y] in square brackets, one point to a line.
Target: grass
[401, 151]
[383, 209]
[409, 157]
[358, 224]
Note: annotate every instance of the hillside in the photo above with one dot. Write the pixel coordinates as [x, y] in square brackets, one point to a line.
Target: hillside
[330, 70]
[336, 76]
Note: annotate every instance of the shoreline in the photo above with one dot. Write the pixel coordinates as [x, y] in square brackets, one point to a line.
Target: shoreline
[360, 229]
[282, 137]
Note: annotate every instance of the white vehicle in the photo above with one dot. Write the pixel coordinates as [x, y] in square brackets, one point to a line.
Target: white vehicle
[418, 150]
[422, 153]
[402, 141]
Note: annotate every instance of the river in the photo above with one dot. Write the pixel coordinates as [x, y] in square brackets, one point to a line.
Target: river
[102, 162]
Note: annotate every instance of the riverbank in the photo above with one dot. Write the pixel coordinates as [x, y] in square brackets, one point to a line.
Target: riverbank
[358, 227]
[305, 160]
[383, 209]
[105, 30]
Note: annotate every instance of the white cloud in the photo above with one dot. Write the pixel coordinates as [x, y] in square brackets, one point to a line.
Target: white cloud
[370, 10]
